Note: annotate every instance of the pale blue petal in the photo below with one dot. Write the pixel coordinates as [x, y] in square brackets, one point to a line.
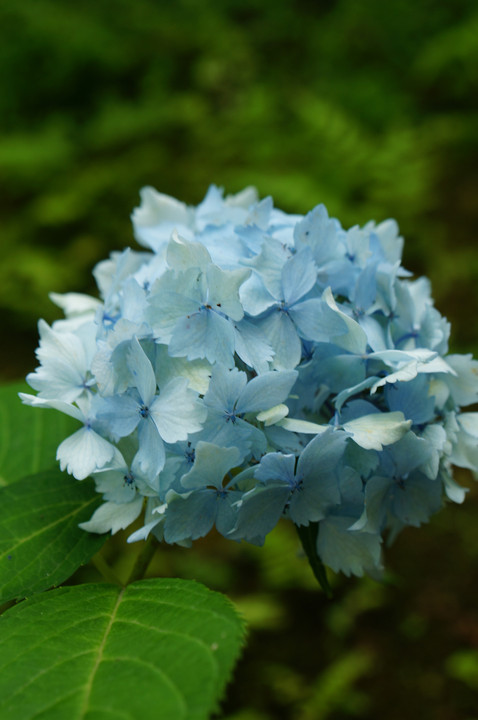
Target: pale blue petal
[151, 454]
[113, 516]
[142, 372]
[376, 505]
[322, 454]
[255, 298]
[133, 302]
[252, 347]
[224, 388]
[343, 396]
[353, 338]
[347, 551]
[204, 334]
[375, 332]
[336, 370]
[189, 516]
[121, 413]
[374, 431]
[210, 466]
[110, 368]
[456, 493]
[463, 386]
[259, 511]
[282, 335]
[437, 440]
[321, 233]
[319, 469]
[412, 399]
[225, 246]
[315, 321]
[177, 411]
[266, 391]
[299, 274]
[157, 216]
[183, 254]
[356, 409]
[465, 443]
[276, 467]
[175, 296]
[64, 346]
[223, 290]
[363, 461]
[60, 405]
[57, 380]
[227, 511]
[84, 452]
[223, 431]
[415, 499]
[269, 265]
[144, 532]
[112, 485]
[365, 289]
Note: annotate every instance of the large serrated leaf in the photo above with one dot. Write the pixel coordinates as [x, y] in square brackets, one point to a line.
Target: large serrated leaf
[29, 436]
[41, 544]
[157, 649]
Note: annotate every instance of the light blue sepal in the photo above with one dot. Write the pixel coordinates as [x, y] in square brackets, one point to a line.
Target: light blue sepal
[420, 499]
[84, 452]
[142, 371]
[374, 431]
[183, 254]
[120, 413]
[259, 511]
[266, 391]
[345, 550]
[151, 454]
[224, 388]
[353, 337]
[190, 515]
[204, 334]
[282, 335]
[318, 471]
[299, 274]
[177, 411]
[210, 465]
[223, 290]
[252, 347]
[112, 516]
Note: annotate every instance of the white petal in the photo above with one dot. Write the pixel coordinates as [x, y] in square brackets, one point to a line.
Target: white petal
[373, 431]
[84, 452]
[113, 516]
[273, 415]
[177, 412]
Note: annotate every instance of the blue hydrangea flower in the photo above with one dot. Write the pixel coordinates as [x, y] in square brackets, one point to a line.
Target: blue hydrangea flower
[247, 365]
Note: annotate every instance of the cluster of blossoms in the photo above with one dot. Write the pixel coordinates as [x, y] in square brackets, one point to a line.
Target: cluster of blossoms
[251, 364]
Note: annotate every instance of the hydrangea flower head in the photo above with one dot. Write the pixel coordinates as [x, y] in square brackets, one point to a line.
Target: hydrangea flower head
[249, 365]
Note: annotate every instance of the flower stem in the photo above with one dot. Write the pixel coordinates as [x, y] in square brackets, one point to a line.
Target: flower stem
[142, 561]
[308, 537]
[102, 566]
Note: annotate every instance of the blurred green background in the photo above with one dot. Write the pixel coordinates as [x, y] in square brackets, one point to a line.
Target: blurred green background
[369, 107]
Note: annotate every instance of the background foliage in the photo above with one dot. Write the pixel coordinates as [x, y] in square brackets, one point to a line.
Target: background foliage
[368, 107]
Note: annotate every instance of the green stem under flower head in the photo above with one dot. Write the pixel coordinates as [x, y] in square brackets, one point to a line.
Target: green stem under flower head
[308, 537]
[106, 571]
[143, 559]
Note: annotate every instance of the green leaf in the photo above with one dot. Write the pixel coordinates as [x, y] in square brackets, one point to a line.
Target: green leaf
[29, 436]
[41, 544]
[157, 649]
